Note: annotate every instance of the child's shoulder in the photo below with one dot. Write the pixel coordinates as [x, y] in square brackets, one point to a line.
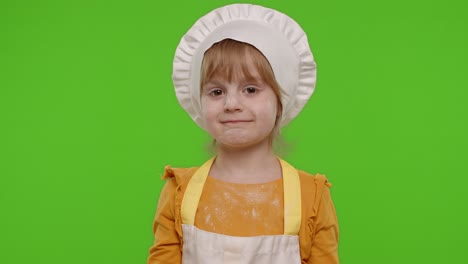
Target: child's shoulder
[179, 175]
[315, 188]
[313, 179]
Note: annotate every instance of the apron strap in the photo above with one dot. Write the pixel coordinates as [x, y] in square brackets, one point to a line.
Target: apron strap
[193, 193]
[292, 196]
[292, 199]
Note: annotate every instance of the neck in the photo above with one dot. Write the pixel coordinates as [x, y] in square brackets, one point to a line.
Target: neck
[255, 164]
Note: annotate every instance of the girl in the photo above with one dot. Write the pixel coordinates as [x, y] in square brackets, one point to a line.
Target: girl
[241, 72]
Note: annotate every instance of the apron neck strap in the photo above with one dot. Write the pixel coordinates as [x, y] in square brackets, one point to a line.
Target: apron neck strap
[292, 196]
[292, 199]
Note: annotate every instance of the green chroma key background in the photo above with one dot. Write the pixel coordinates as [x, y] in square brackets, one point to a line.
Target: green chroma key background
[89, 119]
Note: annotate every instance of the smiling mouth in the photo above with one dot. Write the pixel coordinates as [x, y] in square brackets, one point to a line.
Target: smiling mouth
[235, 121]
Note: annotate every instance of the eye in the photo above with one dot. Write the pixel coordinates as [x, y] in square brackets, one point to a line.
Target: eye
[250, 90]
[215, 92]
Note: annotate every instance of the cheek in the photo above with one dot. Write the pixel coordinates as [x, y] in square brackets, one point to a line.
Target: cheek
[272, 108]
[208, 112]
[267, 113]
[274, 111]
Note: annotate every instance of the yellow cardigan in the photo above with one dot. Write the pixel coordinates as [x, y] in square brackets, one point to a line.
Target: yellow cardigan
[318, 235]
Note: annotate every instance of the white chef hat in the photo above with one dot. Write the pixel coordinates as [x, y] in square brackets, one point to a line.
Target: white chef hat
[278, 37]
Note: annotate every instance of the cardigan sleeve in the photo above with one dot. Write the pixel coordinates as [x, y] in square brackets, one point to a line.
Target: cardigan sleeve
[166, 248]
[325, 231]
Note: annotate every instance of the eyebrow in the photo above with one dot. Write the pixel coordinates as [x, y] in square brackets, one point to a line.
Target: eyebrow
[208, 85]
[244, 81]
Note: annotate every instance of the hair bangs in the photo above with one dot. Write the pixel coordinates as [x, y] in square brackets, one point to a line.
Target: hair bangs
[232, 61]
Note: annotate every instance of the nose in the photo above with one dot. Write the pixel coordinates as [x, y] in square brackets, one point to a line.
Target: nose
[232, 103]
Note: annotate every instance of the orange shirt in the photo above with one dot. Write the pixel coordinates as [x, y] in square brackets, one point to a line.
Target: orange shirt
[246, 210]
[241, 209]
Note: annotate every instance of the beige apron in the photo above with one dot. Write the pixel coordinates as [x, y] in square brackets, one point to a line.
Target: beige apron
[202, 247]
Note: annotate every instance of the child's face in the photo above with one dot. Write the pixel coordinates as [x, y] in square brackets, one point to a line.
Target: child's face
[240, 113]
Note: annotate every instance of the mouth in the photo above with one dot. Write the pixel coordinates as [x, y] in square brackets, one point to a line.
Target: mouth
[235, 121]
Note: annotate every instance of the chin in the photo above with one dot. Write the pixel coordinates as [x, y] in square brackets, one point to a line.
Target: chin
[239, 142]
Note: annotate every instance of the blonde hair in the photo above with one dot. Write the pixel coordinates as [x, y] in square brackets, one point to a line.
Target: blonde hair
[229, 59]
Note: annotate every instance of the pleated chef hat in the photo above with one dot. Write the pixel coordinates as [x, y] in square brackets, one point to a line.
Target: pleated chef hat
[278, 37]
